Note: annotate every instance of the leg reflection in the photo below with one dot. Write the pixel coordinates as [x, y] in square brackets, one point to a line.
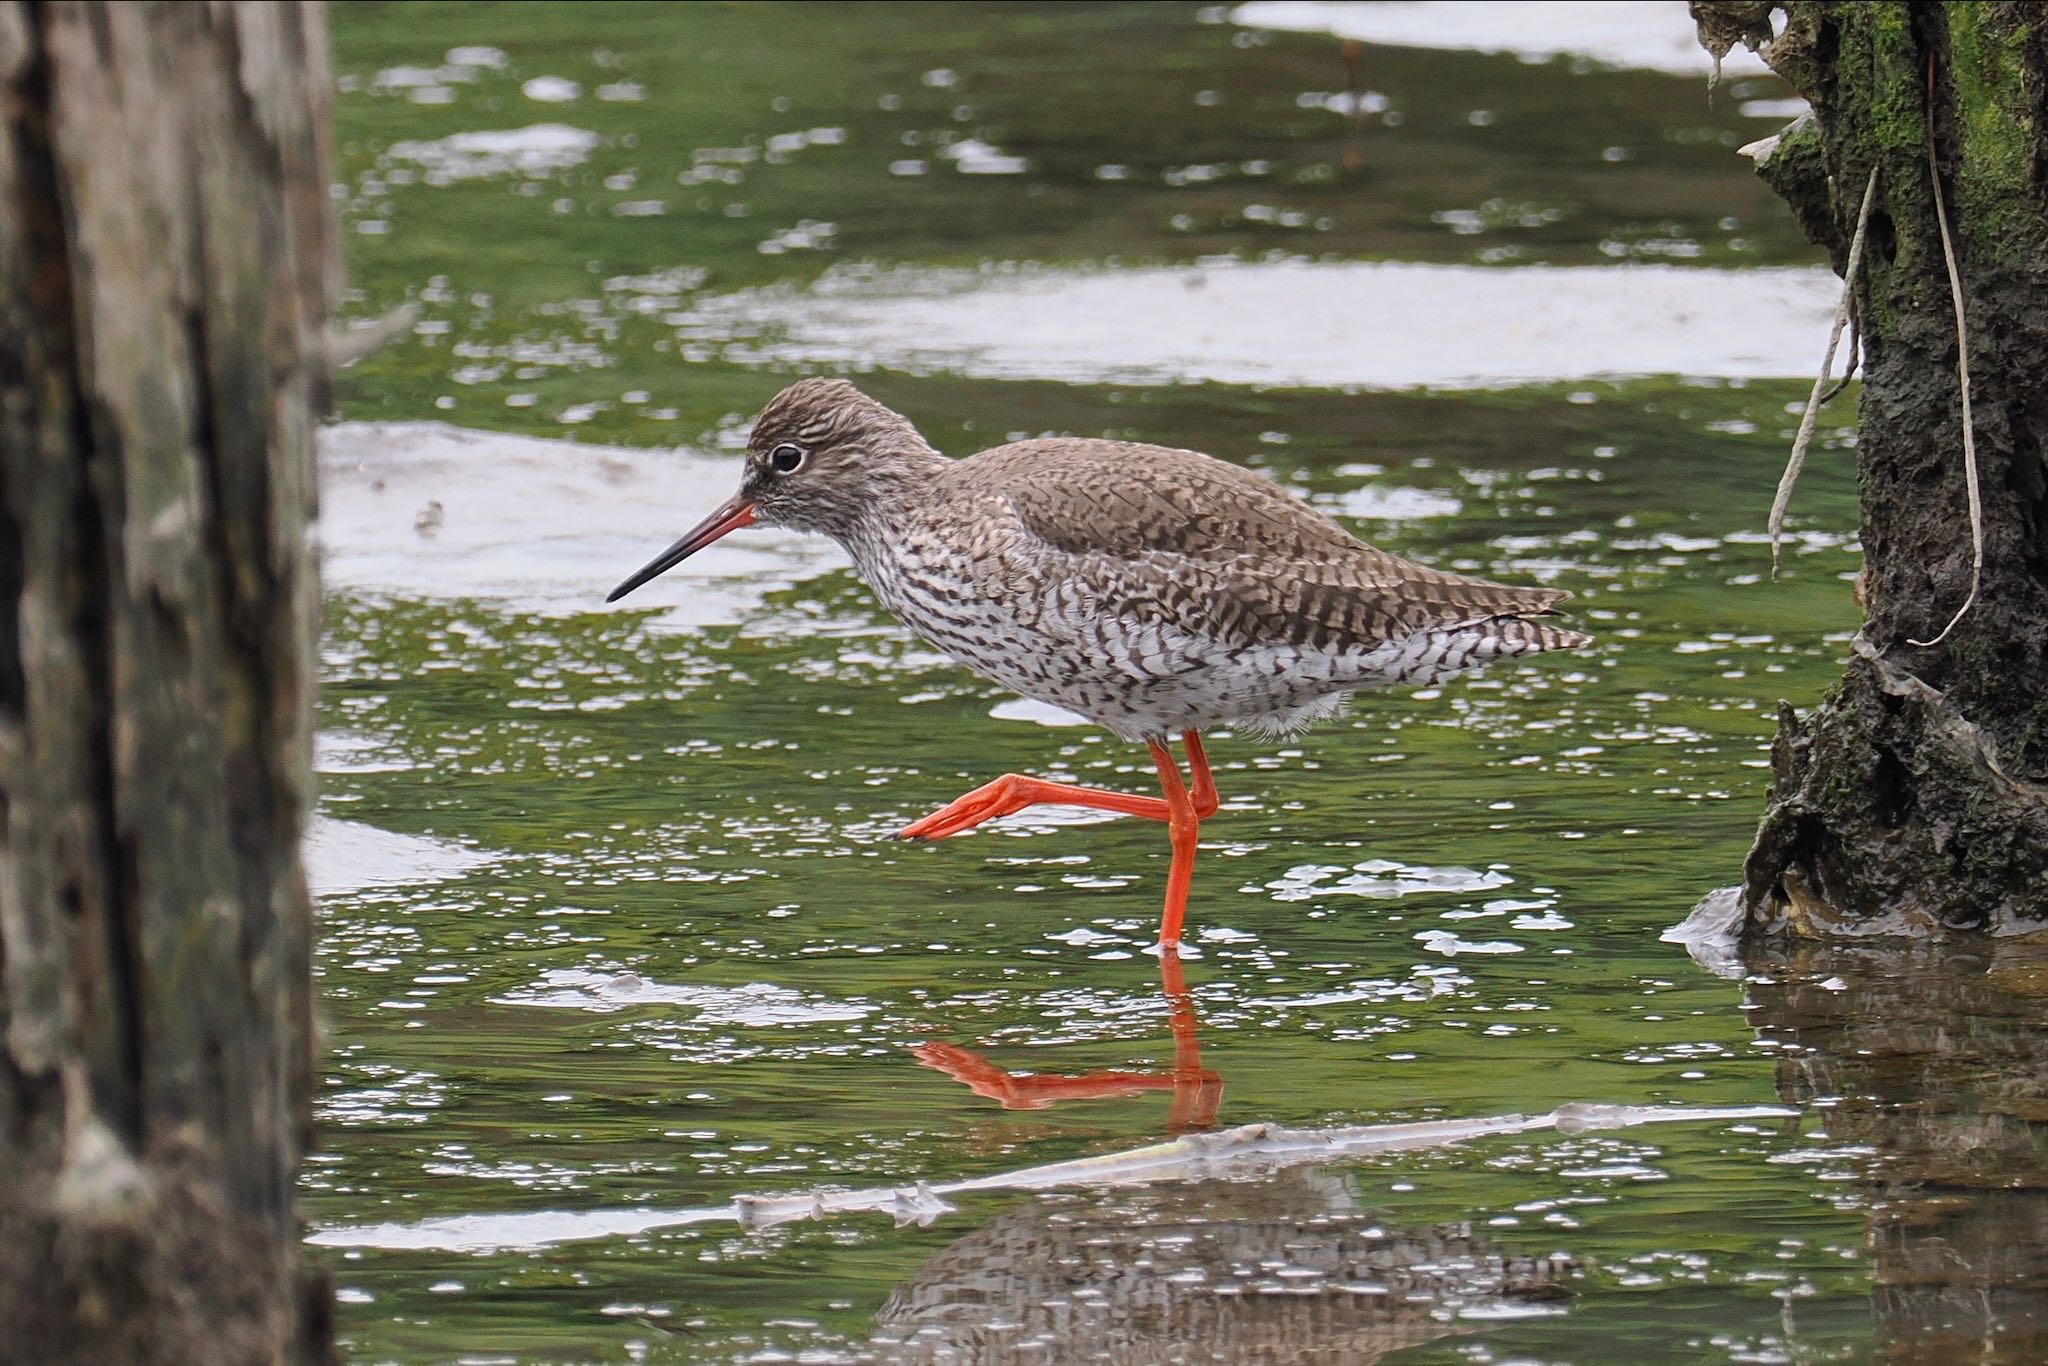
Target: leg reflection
[1197, 1092]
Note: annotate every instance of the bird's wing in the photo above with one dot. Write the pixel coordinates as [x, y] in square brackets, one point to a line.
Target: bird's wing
[1185, 536]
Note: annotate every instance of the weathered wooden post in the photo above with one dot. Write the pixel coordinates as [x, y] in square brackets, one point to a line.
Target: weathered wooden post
[1914, 797]
[167, 266]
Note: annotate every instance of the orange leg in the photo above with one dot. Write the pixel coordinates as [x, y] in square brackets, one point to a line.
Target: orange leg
[1182, 811]
[1011, 793]
[1182, 824]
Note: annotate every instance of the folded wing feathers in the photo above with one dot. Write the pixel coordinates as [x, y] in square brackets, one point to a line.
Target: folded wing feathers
[1243, 555]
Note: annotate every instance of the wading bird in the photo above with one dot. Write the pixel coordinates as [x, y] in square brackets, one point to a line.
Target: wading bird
[1156, 592]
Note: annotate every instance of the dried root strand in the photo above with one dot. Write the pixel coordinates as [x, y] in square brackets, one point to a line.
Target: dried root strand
[1810, 419]
[1955, 294]
[1855, 357]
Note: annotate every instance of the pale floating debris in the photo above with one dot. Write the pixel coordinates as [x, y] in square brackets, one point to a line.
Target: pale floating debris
[1711, 933]
[344, 857]
[551, 90]
[1246, 1152]
[1375, 504]
[1039, 713]
[1654, 35]
[1380, 879]
[537, 150]
[756, 1005]
[622, 92]
[805, 236]
[1084, 937]
[407, 77]
[972, 156]
[1450, 944]
[477, 56]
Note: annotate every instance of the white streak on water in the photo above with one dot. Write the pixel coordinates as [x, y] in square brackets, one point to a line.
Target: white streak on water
[1244, 1152]
[1655, 35]
[1376, 325]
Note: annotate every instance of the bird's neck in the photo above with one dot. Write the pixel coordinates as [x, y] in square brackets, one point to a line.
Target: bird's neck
[894, 489]
[897, 496]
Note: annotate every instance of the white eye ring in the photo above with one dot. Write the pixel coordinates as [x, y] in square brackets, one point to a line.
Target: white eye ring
[786, 458]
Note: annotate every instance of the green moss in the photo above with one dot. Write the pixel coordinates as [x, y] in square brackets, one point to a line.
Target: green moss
[1890, 79]
[1879, 107]
[1996, 123]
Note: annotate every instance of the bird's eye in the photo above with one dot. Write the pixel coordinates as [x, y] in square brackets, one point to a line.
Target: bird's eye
[786, 459]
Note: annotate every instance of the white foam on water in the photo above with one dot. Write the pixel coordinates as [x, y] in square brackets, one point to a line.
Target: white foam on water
[1380, 879]
[537, 150]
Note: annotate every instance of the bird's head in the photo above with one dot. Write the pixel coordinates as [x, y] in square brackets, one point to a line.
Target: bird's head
[822, 456]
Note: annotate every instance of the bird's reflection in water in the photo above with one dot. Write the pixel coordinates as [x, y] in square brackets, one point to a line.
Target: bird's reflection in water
[1284, 1268]
[1197, 1091]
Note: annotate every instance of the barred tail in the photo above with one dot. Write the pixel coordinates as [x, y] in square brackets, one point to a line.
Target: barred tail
[1428, 657]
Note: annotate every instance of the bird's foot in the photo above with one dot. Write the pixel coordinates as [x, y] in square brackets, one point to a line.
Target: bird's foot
[1001, 797]
[1012, 792]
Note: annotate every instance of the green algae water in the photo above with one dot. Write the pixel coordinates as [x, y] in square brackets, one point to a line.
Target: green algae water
[614, 934]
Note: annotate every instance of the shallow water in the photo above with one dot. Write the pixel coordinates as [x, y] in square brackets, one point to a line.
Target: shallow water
[615, 937]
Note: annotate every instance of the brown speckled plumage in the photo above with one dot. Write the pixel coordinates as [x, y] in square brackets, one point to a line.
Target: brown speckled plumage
[1152, 590]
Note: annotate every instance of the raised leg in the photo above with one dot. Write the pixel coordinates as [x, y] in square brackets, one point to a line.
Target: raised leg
[1182, 810]
[1011, 793]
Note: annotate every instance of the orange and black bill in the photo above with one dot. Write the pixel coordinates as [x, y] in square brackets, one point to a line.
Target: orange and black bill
[737, 512]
